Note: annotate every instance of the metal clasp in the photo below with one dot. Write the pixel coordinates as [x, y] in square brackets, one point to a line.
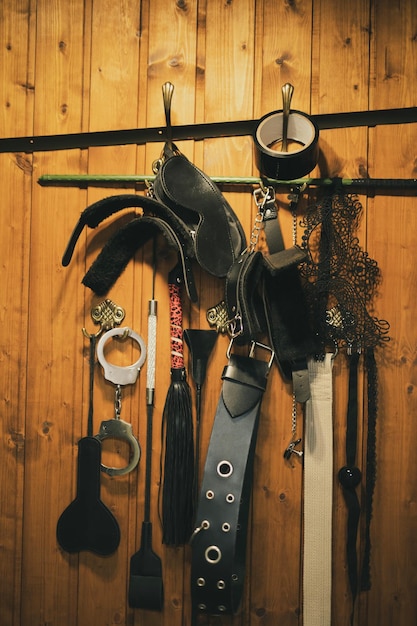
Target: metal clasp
[291, 450]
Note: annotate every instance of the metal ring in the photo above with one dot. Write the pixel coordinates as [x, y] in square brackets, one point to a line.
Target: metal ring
[115, 373]
[213, 559]
[209, 494]
[230, 498]
[227, 466]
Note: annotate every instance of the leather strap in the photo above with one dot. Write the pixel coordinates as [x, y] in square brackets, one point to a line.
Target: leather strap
[242, 297]
[95, 213]
[350, 477]
[120, 248]
[318, 495]
[219, 541]
[285, 310]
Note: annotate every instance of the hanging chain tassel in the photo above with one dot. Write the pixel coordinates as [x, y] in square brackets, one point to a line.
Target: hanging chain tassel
[177, 491]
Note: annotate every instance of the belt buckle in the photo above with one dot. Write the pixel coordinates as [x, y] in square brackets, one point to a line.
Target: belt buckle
[256, 344]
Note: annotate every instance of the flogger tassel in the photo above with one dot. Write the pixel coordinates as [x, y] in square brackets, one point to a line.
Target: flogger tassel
[177, 492]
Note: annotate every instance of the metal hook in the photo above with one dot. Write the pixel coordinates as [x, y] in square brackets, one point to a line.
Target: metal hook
[108, 315]
[167, 92]
[287, 92]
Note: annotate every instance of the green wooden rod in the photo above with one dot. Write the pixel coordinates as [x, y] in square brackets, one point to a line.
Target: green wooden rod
[106, 179]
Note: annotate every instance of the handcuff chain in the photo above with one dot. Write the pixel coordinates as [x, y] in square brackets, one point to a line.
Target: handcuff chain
[117, 402]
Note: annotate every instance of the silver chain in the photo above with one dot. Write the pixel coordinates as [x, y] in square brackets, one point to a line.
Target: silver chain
[117, 402]
[294, 417]
[294, 226]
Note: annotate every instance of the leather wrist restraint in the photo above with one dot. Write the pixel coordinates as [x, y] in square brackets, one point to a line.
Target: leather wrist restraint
[219, 540]
[263, 294]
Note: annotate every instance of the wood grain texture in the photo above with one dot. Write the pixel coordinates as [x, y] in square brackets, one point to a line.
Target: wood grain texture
[16, 170]
[391, 240]
[285, 32]
[88, 66]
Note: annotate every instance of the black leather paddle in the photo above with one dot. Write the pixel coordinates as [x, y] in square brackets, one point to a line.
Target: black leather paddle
[87, 523]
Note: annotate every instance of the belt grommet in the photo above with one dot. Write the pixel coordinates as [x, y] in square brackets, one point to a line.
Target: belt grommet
[202, 607]
[201, 582]
[221, 584]
[224, 469]
[213, 554]
[209, 494]
[230, 498]
[225, 527]
[235, 578]
[221, 608]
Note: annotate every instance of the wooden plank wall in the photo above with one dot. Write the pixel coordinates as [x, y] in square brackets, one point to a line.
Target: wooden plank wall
[78, 65]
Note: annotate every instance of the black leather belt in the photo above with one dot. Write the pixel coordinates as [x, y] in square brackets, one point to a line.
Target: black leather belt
[219, 540]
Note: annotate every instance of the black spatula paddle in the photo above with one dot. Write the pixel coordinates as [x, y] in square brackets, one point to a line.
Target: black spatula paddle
[87, 523]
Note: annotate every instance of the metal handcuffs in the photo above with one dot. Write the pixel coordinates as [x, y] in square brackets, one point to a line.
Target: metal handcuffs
[120, 375]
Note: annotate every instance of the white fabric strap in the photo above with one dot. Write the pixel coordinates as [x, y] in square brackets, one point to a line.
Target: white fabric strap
[318, 495]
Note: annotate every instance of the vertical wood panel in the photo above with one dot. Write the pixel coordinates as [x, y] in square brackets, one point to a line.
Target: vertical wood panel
[113, 103]
[391, 239]
[285, 32]
[16, 90]
[340, 57]
[49, 581]
[228, 94]
[171, 57]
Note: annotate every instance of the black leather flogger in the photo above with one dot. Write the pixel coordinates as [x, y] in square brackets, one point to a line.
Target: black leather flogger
[219, 540]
